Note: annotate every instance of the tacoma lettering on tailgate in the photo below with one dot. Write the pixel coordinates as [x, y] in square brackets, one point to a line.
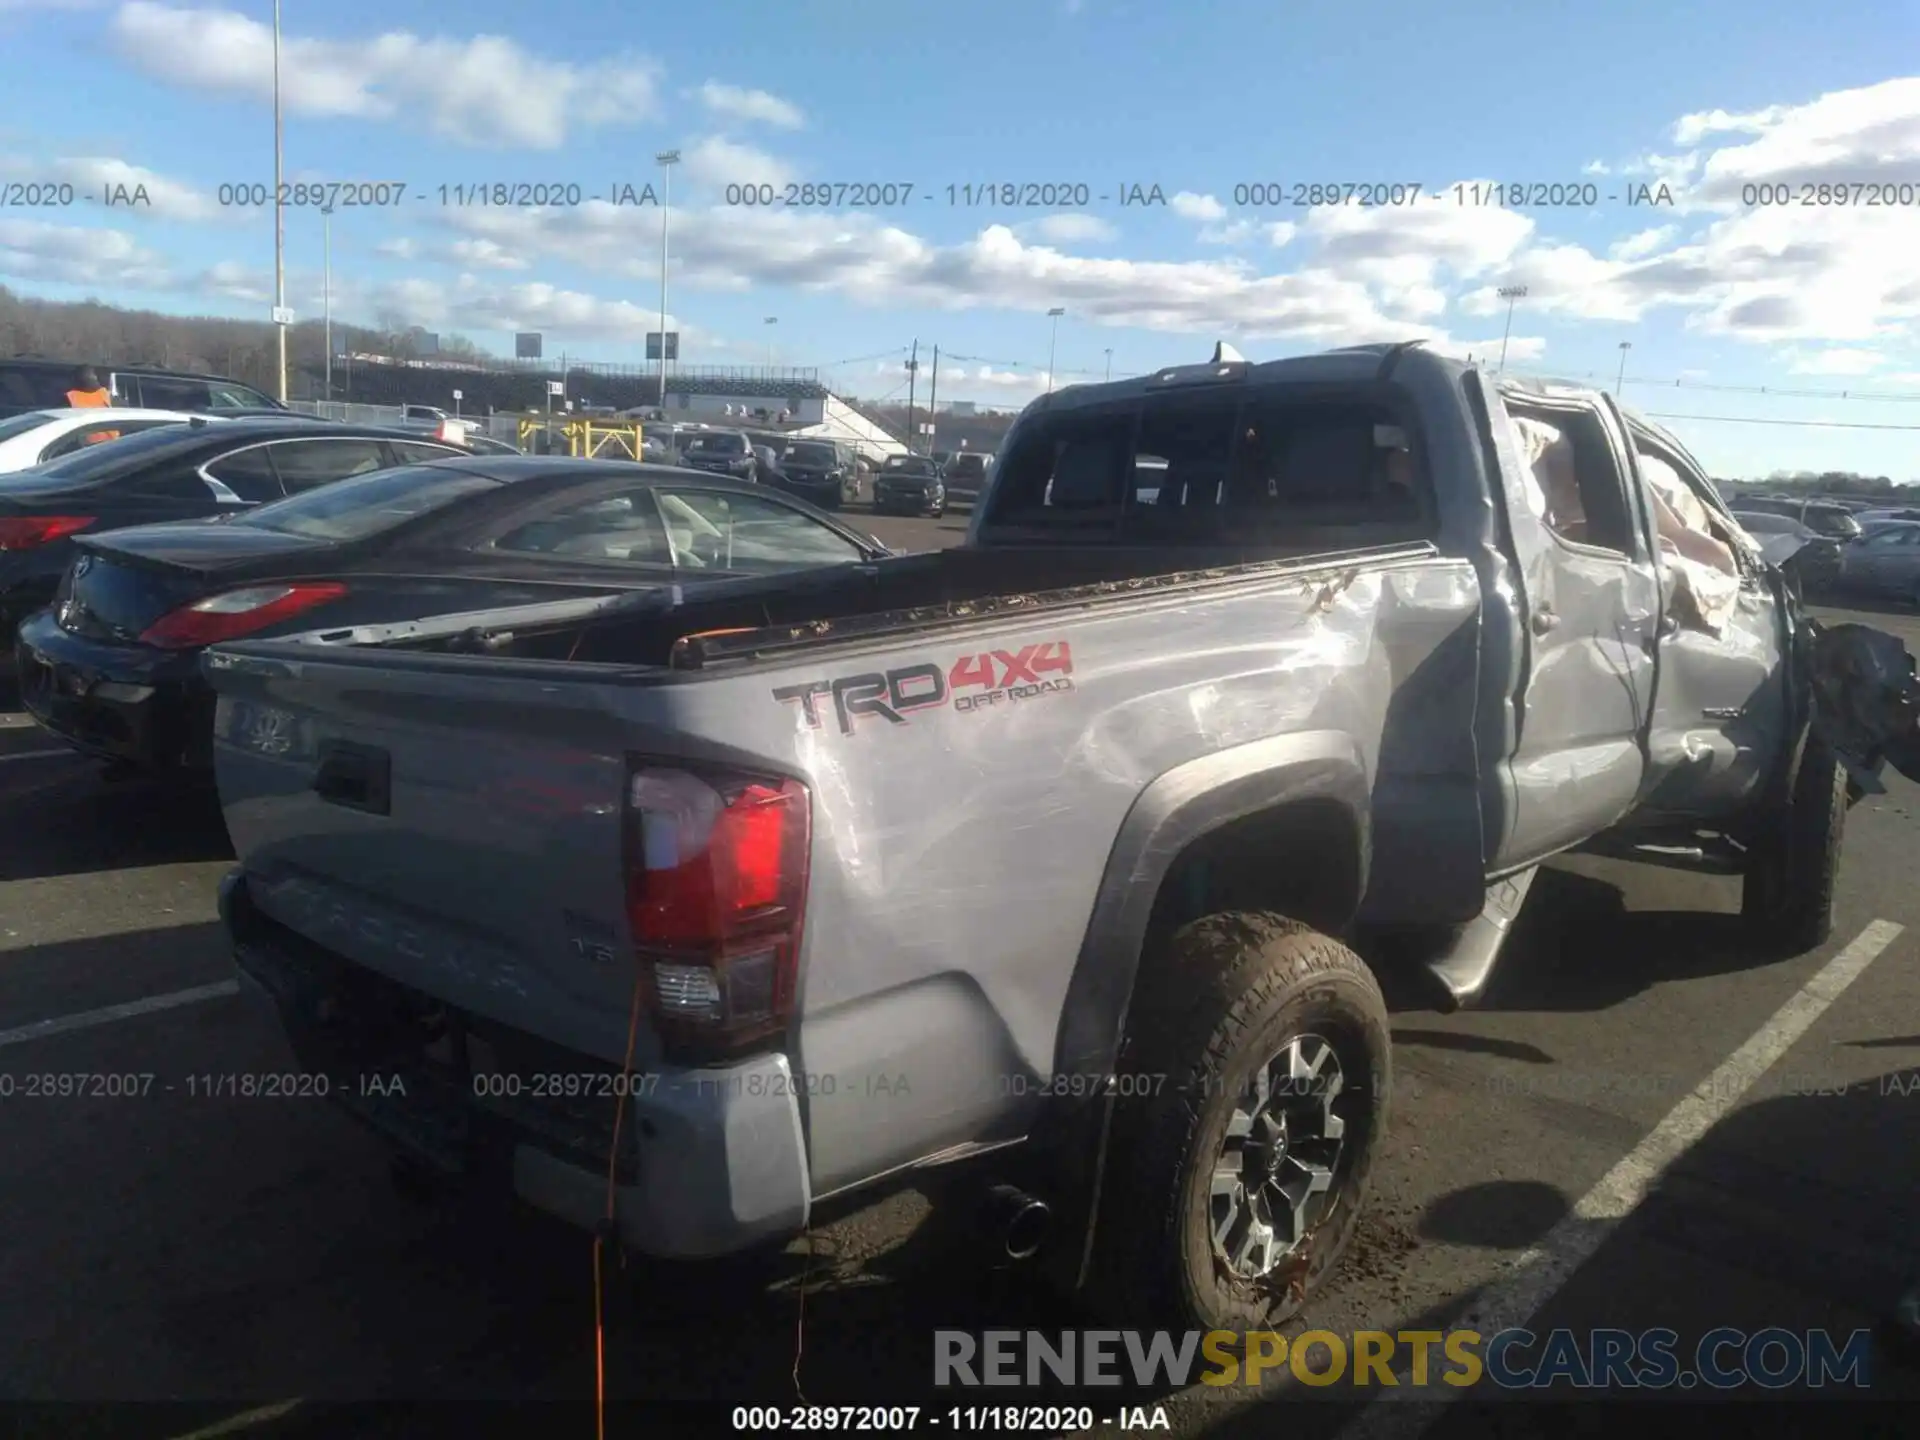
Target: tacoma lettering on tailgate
[970, 683]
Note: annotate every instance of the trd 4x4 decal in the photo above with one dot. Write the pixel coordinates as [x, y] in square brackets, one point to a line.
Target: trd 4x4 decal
[973, 682]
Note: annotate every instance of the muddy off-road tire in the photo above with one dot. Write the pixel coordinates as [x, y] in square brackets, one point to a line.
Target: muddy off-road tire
[1786, 898]
[1239, 996]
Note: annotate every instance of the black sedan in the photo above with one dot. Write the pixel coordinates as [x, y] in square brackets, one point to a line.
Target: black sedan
[113, 668]
[909, 485]
[819, 471]
[176, 472]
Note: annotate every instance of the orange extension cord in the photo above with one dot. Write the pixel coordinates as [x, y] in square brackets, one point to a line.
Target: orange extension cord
[609, 1227]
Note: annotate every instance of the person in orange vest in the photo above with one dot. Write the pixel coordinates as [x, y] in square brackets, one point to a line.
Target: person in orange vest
[87, 392]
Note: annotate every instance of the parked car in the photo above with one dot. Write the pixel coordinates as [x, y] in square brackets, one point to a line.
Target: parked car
[1056, 853]
[1809, 558]
[37, 436]
[819, 471]
[462, 536]
[1885, 561]
[1868, 518]
[35, 384]
[173, 472]
[722, 452]
[966, 475]
[487, 445]
[909, 485]
[1835, 521]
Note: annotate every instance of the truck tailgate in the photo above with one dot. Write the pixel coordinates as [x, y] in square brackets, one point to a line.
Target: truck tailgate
[457, 832]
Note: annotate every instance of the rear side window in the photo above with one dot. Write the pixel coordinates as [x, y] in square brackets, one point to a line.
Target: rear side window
[304, 464]
[249, 474]
[367, 504]
[1217, 468]
[79, 439]
[226, 395]
[413, 453]
[32, 387]
[172, 392]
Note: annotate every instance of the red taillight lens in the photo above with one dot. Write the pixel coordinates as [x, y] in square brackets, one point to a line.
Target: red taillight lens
[236, 613]
[29, 532]
[716, 891]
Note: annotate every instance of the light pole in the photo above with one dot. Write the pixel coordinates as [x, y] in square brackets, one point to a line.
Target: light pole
[771, 320]
[1621, 378]
[1509, 293]
[279, 220]
[326, 288]
[1054, 315]
[1109, 364]
[666, 159]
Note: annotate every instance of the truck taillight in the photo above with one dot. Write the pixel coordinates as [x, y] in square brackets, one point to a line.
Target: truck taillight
[716, 892]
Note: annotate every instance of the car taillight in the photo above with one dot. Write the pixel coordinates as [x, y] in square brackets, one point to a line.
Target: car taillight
[29, 532]
[716, 892]
[236, 613]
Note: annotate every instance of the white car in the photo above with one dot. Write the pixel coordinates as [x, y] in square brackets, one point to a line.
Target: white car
[42, 435]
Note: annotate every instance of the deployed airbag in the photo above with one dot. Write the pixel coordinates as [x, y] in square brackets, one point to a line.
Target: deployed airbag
[1702, 576]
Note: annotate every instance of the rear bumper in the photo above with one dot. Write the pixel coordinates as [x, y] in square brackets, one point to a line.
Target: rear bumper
[912, 502]
[146, 707]
[707, 1162]
[827, 494]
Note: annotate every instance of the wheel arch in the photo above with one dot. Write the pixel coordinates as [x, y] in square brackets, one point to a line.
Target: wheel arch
[1305, 795]
[1311, 787]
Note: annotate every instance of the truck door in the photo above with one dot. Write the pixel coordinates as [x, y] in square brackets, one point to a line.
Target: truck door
[1720, 710]
[1589, 612]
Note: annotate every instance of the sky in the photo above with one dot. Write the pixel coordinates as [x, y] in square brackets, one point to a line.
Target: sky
[1731, 191]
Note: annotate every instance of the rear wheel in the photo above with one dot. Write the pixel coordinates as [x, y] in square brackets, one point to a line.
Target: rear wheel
[1238, 1180]
[1786, 898]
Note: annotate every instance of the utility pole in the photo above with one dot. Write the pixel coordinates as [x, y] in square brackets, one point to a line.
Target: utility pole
[279, 219]
[1621, 378]
[913, 371]
[666, 159]
[933, 399]
[771, 320]
[1054, 314]
[1508, 293]
[326, 288]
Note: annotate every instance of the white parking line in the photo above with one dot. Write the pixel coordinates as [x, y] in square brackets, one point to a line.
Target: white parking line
[1537, 1275]
[36, 754]
[87, 1019]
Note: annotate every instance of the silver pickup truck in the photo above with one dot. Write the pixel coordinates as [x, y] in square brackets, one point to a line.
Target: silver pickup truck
[1056, 853]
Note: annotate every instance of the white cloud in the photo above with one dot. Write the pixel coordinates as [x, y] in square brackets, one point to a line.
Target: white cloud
[717, 162]
[873, 263]
[77, 255]
[1240, 232]
[400, 248]
[1692, 129]
[1070, 226]
[96, 176]
[487, 255]
[1642, 243]
[1596, 167]
[482, 91]
[1838, 362]
[751, 105]
[1189, 206]
[1519, 349]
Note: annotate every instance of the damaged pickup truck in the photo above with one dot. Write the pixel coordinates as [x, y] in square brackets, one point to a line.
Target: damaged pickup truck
[1058, 853]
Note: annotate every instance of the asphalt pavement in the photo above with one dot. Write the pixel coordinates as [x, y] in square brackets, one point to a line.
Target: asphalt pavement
[1646, 1125]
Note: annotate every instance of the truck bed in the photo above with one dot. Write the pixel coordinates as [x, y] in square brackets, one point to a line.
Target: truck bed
[487, 870]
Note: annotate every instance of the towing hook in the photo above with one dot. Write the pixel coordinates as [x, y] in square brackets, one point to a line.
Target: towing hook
[1020, 1220]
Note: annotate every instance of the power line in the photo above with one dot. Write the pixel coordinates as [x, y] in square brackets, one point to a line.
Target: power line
[1757, 420]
